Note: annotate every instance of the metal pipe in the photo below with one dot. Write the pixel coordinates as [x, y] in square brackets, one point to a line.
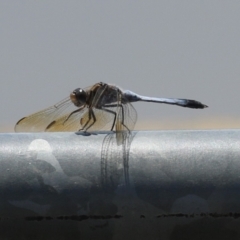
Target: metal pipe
[154, 185]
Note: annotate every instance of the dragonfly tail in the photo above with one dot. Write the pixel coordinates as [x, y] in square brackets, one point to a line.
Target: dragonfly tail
[175, 101]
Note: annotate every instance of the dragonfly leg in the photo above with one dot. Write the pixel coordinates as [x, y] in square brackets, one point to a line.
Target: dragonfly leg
[115, 115]
[78, 110]
[90, 116]
[116, 105]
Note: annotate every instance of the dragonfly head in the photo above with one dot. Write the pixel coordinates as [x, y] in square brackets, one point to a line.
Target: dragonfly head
[78, 97]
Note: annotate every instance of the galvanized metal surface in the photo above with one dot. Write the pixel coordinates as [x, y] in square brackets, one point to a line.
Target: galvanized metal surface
[157, 185]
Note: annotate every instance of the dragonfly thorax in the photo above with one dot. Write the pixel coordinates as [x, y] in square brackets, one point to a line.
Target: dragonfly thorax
[78, 97]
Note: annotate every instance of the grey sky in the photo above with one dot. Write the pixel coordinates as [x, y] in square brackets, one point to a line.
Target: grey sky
[186, 49]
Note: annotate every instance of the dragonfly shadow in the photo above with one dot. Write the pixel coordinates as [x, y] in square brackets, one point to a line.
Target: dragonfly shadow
[89, 133]
[115, 161]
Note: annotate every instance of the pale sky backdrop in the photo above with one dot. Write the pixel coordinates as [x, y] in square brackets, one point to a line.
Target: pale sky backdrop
[186, 49]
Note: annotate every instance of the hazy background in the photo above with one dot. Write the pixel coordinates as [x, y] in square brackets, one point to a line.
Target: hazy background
[187, 49]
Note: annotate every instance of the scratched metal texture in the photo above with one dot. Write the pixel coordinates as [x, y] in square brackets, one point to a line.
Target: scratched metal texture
[160, 185]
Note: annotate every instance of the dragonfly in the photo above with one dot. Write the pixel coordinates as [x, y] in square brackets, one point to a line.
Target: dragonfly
[101, 106]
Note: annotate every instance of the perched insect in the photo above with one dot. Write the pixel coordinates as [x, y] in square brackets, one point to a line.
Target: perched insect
[101, 106]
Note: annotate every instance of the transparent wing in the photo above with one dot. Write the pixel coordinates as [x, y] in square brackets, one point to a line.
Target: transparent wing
[127, 116]
[100, 94]
[126, 120]
[104, 120]
[39, 121]
[68, 122]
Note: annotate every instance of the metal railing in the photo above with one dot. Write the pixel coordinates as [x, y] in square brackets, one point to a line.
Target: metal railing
[155, 185]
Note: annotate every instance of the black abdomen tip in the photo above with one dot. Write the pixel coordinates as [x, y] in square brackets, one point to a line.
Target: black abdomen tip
[195, 104]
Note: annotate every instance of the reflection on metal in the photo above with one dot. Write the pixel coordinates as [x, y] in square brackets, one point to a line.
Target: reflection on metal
[114, 158]
[156, 185]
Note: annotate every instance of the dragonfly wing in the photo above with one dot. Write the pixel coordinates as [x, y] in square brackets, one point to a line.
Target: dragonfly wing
[127, 116]
[38, 122]
[67, 123]
[104, 120]
[126, 119]
[101, 90]
[130, 115]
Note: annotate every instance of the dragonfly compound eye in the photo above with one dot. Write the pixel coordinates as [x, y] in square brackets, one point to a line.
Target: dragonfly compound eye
[78, 97]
